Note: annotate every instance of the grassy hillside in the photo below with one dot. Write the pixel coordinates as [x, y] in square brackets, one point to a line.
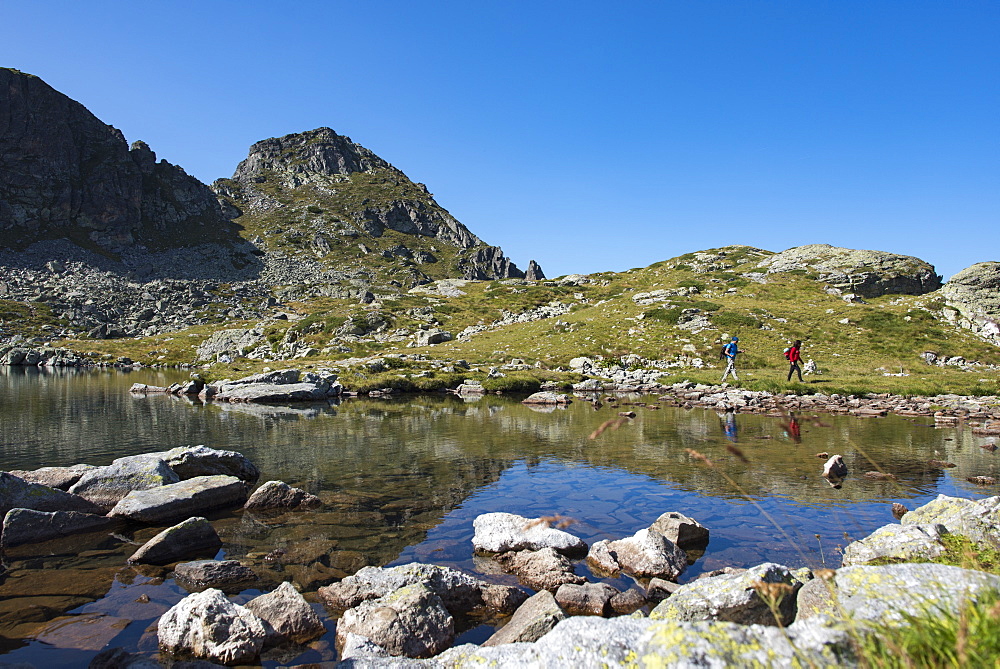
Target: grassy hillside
[708, 297]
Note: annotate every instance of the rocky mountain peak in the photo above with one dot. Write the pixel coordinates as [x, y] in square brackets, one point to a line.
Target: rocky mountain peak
[321, 152]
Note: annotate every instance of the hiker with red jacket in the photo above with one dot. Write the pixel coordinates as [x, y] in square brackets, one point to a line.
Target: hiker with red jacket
[794, 356]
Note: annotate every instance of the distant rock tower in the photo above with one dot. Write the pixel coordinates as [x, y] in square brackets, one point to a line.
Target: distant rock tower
[534, 272]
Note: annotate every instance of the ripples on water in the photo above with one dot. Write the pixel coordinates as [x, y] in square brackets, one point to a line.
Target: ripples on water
[403, 479]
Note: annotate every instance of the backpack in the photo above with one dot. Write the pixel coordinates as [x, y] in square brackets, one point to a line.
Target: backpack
[722, 352]
[788, 352]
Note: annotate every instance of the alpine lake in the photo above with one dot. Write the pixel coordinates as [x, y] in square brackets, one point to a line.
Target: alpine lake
[403, 478]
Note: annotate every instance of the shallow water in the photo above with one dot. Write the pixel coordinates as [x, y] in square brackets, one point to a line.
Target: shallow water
[403, 479]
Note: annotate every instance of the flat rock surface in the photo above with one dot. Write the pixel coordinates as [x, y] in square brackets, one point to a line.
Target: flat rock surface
[26, 526]
[106, 486]
[225, 575]
[195, 537]
[503, 532]
[180, 500]
[16, 493]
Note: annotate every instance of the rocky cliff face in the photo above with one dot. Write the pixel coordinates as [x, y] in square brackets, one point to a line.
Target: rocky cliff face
[65, 174]
[973, 299]
[865, 273]
[318, 194]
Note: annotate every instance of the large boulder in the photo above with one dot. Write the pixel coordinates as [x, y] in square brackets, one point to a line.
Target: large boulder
[280, 495]
[180, 500]
[193, 538]
[532, 620]
[410, 622]
[908, 543]
[263, 392]
[206, 625]
[647, 553]
[978, 520]
[973, 296]
[287, 614]
[191, 461]
[745, 598]
[16, 493]
[106, 486]
[461, 593]
[865, 273]
[545, 569]
[501, 532]
[26, 526]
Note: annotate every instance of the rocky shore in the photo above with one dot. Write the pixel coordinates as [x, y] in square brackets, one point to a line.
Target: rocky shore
[410, 615]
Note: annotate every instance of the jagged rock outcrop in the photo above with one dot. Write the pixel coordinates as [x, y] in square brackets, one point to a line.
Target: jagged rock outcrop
[64, 173]
[973, 297]
[864, 273]
[534, 272]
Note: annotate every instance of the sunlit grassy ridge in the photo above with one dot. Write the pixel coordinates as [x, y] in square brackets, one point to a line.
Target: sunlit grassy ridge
[720, 293]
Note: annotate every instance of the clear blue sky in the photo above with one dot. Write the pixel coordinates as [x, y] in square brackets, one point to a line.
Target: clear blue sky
[588, 136]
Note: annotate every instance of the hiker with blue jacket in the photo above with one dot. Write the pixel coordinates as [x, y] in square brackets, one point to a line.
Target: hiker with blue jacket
[729, 352]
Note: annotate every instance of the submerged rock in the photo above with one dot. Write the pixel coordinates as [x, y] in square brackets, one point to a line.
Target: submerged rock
[208, 626]
[195, 537]
[225, 575]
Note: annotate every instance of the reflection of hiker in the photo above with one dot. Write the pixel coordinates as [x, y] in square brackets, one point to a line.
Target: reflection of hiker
[794, 356]
[729, 425]
[729, 352]
[794, 430]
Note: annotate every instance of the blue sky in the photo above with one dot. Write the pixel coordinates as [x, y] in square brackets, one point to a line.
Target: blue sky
[588, 136]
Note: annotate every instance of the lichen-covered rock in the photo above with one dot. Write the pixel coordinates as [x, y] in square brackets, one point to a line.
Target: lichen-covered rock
[544, 569]
[866, 273]
[502, 532]
[26, 526]
[16, 493]
[682, 530]
[195, 537]
[106, 486]
[887, 593]
[192, 461]
[815, 597]
[979, 520]
[208, 626]
[740, 598]
[461, 593]
[532, 620]
[288, 614]
[280, 495]
[902, 542]
[974, 298]
[225, 575]
[586, 599]
[183, 499]
[588, 641]
[410, 622]
[647, 553]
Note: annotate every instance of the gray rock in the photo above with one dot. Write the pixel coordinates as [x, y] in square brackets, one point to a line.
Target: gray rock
[460, 592]
[180, 500]
[289, 392]
[898, 542]
[979, 520]
[647, 553]
[735, 598]
[815, 598]
[106, 486]
[195, 537]
[546, 397]
[225, 575]
[974, 298]
[411, 622]
[544, 569]
[54, 477]
[280, 495]
[658, 589]
[532, 620]
[835, 468]
[16, 493]
[26, 526]
[628, 602]
[207, 625]
[288, 614]
[431, 337]
[357, 651]
[588, 641]
[680, 529]
[503, 532]
[587, 599]
[191, 461]
[867, 273]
